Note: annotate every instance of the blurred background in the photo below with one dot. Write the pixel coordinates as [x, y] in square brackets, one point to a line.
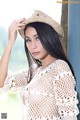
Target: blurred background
[10, 10]
[66, 12]
[16, 9]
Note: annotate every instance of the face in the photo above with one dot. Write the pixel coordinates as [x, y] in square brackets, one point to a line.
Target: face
[34, 45]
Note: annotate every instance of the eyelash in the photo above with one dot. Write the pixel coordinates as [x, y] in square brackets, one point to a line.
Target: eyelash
[27, 40]
[37, 38]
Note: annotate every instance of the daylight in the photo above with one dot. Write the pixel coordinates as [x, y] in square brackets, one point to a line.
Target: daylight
[15, 9]
[10, 101]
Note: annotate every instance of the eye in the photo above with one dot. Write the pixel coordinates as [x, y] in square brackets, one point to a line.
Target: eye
[37, 38]
[27, 40]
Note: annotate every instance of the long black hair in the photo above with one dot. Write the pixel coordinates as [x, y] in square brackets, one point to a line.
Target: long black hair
[50, 40]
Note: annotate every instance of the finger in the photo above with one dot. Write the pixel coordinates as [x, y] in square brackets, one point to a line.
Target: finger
[17, 22]
[22, 24]
[21, 20]
[21, 27]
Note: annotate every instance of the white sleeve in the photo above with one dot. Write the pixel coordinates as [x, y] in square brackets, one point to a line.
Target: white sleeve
[16, 79]
[65, 94]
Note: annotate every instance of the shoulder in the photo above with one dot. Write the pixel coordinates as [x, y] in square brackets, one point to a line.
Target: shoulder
[61, 65]
[60, 69]
[57, 67]
[63, 72]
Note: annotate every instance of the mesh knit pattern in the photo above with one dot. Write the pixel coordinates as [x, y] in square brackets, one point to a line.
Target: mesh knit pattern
[50, 95]
[17, 80]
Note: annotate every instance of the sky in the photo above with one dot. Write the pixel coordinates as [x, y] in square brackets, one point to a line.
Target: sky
[16, 9]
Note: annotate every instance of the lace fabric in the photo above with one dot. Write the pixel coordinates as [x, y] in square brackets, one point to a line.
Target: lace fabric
[50, 95]
[17, 80]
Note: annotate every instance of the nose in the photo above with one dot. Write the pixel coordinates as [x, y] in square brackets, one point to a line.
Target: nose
[34, 45]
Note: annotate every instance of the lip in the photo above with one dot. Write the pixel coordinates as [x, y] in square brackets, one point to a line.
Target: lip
[35, 53]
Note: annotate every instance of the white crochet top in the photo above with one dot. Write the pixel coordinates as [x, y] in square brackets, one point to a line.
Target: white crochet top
[50, 95]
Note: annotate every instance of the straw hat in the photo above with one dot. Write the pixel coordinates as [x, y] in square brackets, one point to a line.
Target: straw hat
[39, 16]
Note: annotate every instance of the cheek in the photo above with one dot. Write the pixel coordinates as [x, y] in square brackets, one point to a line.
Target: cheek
[44, 51]
[39, 45]
[42, 48]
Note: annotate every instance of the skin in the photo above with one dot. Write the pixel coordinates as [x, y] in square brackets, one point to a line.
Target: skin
[12, 34]
[34, 46]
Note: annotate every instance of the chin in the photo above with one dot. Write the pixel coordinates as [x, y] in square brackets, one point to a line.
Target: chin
[36, 57]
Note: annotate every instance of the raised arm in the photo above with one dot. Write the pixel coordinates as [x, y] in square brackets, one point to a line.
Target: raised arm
[12, 34]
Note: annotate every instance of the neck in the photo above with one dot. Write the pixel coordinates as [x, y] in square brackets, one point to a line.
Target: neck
[47, 61]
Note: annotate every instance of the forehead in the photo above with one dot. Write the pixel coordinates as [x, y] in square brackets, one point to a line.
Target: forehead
[30, 31]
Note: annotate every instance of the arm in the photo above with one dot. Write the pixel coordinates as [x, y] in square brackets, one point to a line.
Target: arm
[4, 63]
[65, 94]
[12, 34]
[17, 80]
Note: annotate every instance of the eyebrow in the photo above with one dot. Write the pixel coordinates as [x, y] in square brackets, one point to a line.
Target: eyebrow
[33, 36]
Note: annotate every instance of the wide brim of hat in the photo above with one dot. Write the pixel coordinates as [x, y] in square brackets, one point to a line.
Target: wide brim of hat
[44, 19]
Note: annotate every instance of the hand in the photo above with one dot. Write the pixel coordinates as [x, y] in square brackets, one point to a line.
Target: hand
[12, 31]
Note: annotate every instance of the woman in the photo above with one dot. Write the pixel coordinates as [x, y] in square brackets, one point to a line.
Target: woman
[48, 86]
